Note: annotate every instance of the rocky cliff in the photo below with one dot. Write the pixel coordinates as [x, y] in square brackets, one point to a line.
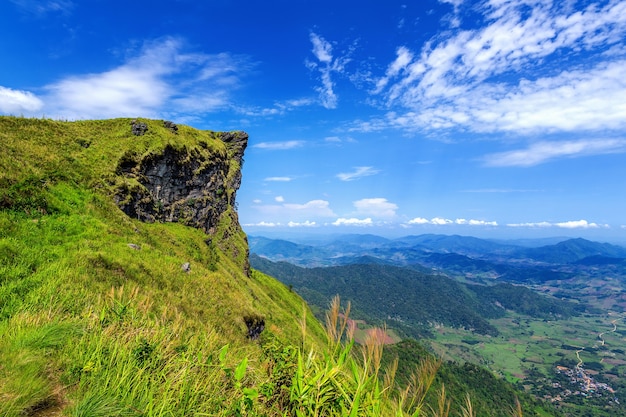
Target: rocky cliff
[196, 186]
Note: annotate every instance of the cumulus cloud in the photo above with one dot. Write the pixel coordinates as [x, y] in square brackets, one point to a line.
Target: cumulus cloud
[359, 172]
[572, 224]
[17, 102]
[279, 199]
[353, 222]
[279, 146]
[541, 152]
[440, 221]
[501, 76]
[376, 207]
[306, 223]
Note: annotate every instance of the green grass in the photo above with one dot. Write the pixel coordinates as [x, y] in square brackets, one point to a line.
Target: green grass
[66, 264]
[526, 344]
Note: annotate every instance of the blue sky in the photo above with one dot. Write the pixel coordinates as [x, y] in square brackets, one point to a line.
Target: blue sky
[501, 118]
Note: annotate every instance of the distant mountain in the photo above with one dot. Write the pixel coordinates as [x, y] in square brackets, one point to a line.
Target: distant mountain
[465, 245]
[573, 250]
[464, 256]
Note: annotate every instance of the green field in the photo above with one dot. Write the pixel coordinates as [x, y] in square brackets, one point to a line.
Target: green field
[527, 351]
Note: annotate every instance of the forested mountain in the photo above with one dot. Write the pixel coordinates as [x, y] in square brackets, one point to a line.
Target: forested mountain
[413, 301]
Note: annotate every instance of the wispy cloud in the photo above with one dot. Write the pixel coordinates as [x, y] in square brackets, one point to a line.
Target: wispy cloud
[326, 65]
[572, 224]
[376, 207]
[296, 211]
[279, 146]
[278, 109]
[17, 102]
[43, 7]
[161, 80]
[541, 152]
[502, 76]
[359, 172]
[278, 179]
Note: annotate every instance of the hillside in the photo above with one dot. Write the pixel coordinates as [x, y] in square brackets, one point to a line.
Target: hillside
[414, 301]
[101, 272]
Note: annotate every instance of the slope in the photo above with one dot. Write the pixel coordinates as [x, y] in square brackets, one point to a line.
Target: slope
[91, 299]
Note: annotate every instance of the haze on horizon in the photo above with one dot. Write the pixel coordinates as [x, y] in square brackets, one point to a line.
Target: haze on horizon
[490, 118]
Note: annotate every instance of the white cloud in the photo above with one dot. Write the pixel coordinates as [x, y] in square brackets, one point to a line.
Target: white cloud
[322, 49]
[161, 80]
[353, 222]
[502, 77]
[419, 220]
[278, 179]
[279, 199]
[572, 224]
[541, 152]
[277, 146]
[314, 207]
[296, 212]
[302, 224]
[440, 221]
[327, 65]
[262, 224]
[474, 222]
[376, 207]
[17, 102]
[578, 224]
[359, 172]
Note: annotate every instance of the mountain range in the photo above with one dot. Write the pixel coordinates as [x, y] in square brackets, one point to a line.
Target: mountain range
[479, 259]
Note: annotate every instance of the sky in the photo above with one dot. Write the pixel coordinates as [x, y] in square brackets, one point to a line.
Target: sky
[501, 118]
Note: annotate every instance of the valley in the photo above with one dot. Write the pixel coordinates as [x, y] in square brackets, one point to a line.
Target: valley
[553, 315]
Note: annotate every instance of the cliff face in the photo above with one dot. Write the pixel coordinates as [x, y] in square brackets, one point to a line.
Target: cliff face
[196, 186]
[193, 186]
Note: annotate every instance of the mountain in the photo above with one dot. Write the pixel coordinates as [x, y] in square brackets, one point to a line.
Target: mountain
[467, 257]
[414, 301]
[573, 250]
[465, 245]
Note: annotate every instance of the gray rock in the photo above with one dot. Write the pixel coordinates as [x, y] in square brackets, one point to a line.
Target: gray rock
[133, 246]
[186, 267]
[138, 128]
[171, 126]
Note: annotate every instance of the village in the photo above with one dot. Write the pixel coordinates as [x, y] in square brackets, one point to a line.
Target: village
[578, 382]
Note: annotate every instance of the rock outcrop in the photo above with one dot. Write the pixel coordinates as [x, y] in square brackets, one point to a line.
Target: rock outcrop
[195, 186]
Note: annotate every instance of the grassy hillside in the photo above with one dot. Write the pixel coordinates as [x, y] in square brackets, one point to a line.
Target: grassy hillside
[88, 294]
